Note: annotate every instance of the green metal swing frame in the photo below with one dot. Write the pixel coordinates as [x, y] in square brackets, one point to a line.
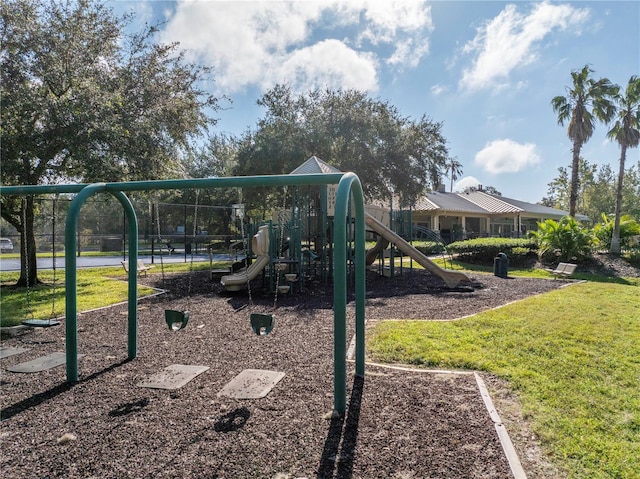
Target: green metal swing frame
[349, 190]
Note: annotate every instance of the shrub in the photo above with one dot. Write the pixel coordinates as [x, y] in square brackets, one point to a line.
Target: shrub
[428, 247]
[629, 228]
[564, 240]
[633, 257]
[484, 250]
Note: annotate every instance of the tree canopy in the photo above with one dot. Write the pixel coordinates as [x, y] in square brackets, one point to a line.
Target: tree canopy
[84, 101]
[597, 193]
[351, 131]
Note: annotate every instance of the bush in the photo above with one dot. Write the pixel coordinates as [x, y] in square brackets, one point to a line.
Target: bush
[629, 228]
[633, 257]
[429, 247]
[564, 240]
[484, 250]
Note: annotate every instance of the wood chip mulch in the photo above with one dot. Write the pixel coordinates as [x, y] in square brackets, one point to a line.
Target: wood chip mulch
[399, 424]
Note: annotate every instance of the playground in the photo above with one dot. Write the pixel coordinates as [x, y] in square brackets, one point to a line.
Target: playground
[398, 423]
[207, 397]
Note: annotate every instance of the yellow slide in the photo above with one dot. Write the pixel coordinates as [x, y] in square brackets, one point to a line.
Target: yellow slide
[451, 278]
[260, 246]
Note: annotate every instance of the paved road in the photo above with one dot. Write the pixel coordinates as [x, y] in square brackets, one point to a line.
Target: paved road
[13, 264]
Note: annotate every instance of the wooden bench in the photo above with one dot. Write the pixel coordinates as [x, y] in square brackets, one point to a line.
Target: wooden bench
[142, 268]
[564, 270]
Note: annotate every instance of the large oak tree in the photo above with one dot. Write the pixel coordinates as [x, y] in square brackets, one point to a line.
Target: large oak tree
[82, 100]
[351, 131]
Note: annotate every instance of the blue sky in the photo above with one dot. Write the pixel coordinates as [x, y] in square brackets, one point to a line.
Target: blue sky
[486, 69]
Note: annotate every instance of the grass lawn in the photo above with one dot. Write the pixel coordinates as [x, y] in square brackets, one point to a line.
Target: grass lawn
[97, 287]
[571, 355]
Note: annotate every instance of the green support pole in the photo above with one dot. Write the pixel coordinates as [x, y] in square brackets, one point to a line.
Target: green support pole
[71, 286]
[361, 280]
[70, 245]
[132, 321]
[349, 185]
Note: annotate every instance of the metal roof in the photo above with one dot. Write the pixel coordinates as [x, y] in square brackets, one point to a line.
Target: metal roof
[314, 165]
[425, 204]
[490, 203]
[477, 202]
[453, 202]
[536, 209]
[541, 210]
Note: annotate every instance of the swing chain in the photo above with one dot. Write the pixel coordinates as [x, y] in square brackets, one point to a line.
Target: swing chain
[53, 257]
[157, 205]
[195, 231]
[245, 242]
[282, 220]
[26, 250]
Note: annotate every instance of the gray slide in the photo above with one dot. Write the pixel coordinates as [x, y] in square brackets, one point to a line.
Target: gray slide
[451, 278]
[260, 246]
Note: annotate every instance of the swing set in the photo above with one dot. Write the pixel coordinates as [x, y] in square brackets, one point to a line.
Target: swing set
[349, 191]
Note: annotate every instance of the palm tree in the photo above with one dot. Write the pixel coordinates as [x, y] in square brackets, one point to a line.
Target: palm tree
[454, 167]
[626, 131]
[587, 101]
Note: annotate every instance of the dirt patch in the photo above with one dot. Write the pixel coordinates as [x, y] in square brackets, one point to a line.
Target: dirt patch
[399, 424]
[610, 265]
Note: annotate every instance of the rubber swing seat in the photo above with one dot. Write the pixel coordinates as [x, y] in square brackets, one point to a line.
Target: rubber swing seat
[176, 320]
[262, 324]
[40, 323]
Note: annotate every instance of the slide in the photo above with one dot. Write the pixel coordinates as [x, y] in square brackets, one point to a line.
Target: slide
[451, 278]
[260, 246]
[374, 252]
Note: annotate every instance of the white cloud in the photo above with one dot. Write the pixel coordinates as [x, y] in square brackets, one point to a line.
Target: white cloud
[438, 90]
[329, 62]
[402, 23]
[506, 156]
[466, 182]
[511, 40]
[266, 42]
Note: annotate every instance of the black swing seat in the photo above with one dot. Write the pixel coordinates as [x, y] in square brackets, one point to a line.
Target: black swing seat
[176, 320]
[40, 323]
[262, 324]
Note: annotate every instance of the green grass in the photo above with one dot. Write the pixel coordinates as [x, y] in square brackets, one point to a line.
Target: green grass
[97, 287]
[571, 355]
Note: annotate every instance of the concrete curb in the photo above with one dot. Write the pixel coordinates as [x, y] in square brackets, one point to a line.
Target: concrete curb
[503, 435]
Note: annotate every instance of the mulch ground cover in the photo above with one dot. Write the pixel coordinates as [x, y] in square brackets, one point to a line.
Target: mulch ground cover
[399, 424]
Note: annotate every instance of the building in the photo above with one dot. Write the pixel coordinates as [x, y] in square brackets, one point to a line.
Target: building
[476, 214]
[460, 215]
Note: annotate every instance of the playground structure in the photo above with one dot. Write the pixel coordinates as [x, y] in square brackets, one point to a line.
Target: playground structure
[307, 254]
[451, 278]
[260, 247]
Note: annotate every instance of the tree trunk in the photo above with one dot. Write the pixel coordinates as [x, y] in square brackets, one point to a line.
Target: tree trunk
[28, 261]
[615, 237]
[575, 178]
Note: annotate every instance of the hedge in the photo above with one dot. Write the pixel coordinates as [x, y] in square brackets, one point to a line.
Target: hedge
[484, 250]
